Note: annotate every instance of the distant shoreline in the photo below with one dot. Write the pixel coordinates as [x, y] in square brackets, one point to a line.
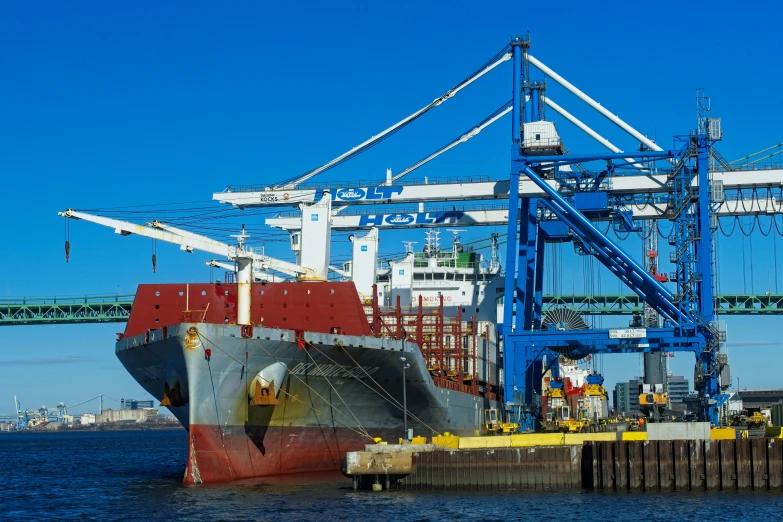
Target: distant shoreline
[104, 427]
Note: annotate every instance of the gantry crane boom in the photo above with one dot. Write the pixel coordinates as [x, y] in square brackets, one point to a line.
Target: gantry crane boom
[477, 189]
[497, 216]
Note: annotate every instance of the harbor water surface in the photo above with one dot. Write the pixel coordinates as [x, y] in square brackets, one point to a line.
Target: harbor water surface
[137, 475]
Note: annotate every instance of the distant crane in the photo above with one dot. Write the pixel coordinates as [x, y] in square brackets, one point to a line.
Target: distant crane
[21, 417]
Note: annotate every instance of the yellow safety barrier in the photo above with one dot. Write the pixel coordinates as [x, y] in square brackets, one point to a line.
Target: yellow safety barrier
[446, 440]
[634, 435]
[537, 439]
[723, 434]
[580, 438]
[485, 442]
[415, 440]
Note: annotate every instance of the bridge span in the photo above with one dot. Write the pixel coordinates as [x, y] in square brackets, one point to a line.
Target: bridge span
[117, 308]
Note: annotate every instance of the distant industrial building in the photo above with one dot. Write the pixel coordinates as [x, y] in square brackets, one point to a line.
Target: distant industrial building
[678, 388]
[626, 396]
[127, 415]
[130, 411]
[620, 397]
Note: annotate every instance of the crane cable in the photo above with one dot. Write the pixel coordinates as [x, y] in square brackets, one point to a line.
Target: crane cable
[775, 255]
[217, 418]
[473, 131]
[500, 57]
[293, 397]
[318, 368]
[395, 403]
[67, 239]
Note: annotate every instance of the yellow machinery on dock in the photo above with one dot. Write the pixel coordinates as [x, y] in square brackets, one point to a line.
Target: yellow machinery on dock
[652, 400]
[494, 426]
[590, 415]
[752, 421]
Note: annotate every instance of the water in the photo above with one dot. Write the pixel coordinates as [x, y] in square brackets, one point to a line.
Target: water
[132, 475]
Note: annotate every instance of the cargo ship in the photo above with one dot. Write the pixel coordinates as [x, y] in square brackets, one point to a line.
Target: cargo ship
[273, 378]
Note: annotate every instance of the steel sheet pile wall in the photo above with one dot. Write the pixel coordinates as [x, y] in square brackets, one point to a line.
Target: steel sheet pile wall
[695, 465]
[552, 467]
[661, 465]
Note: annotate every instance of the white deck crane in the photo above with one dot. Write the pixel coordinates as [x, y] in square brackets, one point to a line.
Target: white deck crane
[258, 275]
[245, 257]
[191, 242]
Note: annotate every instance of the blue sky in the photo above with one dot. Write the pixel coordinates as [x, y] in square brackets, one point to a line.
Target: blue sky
[105, 105]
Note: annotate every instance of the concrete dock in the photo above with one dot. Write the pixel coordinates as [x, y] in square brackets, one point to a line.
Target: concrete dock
[631, 461]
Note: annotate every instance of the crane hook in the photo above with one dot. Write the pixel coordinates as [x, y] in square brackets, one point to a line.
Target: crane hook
[67, 250]
[154, 263]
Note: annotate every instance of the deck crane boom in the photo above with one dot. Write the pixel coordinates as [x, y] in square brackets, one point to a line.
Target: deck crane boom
[261, 275]
[258, 275]
[243, 255]
[191, 242]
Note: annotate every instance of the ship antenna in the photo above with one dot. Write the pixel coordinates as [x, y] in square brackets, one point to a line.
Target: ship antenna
[428, 242]
[455, 243]
[241, 237]
[494, 261]
[432, 247]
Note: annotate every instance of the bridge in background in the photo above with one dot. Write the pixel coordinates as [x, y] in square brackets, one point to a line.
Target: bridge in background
[117, 308]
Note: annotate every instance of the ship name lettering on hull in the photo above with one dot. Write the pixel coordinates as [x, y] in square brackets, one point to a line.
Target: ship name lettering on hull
[332, 370]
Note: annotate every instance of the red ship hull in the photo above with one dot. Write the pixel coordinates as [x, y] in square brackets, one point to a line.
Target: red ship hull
[216, 455]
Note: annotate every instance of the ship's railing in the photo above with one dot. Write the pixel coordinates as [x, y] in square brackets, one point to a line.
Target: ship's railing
[447, 263]
[449, 344]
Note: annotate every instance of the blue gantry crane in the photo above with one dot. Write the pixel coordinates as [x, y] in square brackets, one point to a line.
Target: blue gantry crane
[688, 314]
